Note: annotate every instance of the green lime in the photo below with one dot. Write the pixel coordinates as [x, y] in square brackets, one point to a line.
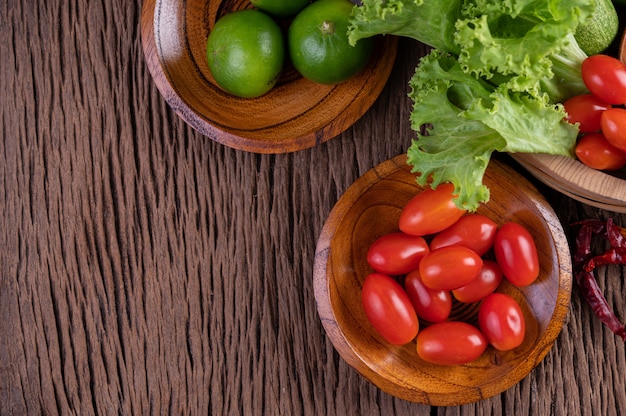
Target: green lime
[318, 43]
[280, 8]
[245, 51]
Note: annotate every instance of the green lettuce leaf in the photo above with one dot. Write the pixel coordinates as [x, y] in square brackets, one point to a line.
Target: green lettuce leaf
[523, 40]
[429, 21]
[465, 119]
[493, 83]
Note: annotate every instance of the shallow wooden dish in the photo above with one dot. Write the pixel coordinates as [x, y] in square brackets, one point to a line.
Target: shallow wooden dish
[370, 208]
[295, 115]
[605, 190]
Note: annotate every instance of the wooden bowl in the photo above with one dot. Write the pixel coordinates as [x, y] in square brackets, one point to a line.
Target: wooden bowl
[605, 190]
[294, 115]
[370, 208]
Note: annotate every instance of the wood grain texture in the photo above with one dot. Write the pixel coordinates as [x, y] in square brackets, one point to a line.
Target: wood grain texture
[571, 177]
[145, 269]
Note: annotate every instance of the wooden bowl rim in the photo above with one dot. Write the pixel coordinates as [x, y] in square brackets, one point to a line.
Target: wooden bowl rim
[574, 179]
[277, 137]
[337, 336]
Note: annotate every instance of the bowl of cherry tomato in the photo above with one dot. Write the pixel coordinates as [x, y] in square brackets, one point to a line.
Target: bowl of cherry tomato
[597, 176]
[388, 239]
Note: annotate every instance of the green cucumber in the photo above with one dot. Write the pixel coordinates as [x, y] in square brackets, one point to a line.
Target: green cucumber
[598, 32]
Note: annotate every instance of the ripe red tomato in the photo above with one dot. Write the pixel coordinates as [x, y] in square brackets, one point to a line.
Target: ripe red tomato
[605, 77]
[450, 267]
[389, 309]
[450, 343]
[516, 254]
[595, 151]
[613, 124]
[585, 109]
[397, 253]
[473, 231]
[485, 283]
[430, 305]
[430, 211]
[501, 320]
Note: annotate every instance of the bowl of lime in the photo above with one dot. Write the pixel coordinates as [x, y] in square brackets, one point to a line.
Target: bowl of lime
[276, 109]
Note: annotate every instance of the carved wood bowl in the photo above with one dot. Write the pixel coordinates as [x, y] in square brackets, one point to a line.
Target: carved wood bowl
[605, 190]
[370, 208]
[296, 114]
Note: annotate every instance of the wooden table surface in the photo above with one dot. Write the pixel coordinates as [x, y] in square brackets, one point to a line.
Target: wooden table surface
[145, 269]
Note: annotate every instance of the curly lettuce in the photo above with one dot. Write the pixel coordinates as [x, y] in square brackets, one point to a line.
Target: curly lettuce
[525, 41]
[493, 81]
[428, 21]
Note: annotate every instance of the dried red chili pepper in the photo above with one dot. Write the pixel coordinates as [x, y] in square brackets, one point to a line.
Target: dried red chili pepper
[615, 234]
[583, 240]
[596, 300]
[585, 263]
[611, 256]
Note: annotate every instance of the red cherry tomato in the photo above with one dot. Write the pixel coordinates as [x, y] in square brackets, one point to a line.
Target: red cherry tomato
[484, 284]
[397, 253]
[585, 109]
[389, 309]
[473, 231]
[613, 124]
[430, 305]
[430, 211]
[450, 267]
[501, 320]
[595, 151]
[516, 254]
[605, 77]
[450, 343]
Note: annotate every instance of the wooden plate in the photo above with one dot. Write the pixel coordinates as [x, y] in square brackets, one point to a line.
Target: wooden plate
[295, 115]
[370, 208]
[605, 190]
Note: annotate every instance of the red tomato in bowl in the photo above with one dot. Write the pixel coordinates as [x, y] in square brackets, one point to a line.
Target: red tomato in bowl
[473, 231]
[501, 320]
[484, 284]
[389, 309]
[605, 77]
[595, 151]
[430, 211]
[450, 343]
[613, 123]
[429, 304]
[585, 109]
[397, 253]
[449, 268]
[516, 254]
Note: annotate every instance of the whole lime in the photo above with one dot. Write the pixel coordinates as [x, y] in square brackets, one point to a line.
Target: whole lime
[280, 8]
[245, 52]
[318, 43]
